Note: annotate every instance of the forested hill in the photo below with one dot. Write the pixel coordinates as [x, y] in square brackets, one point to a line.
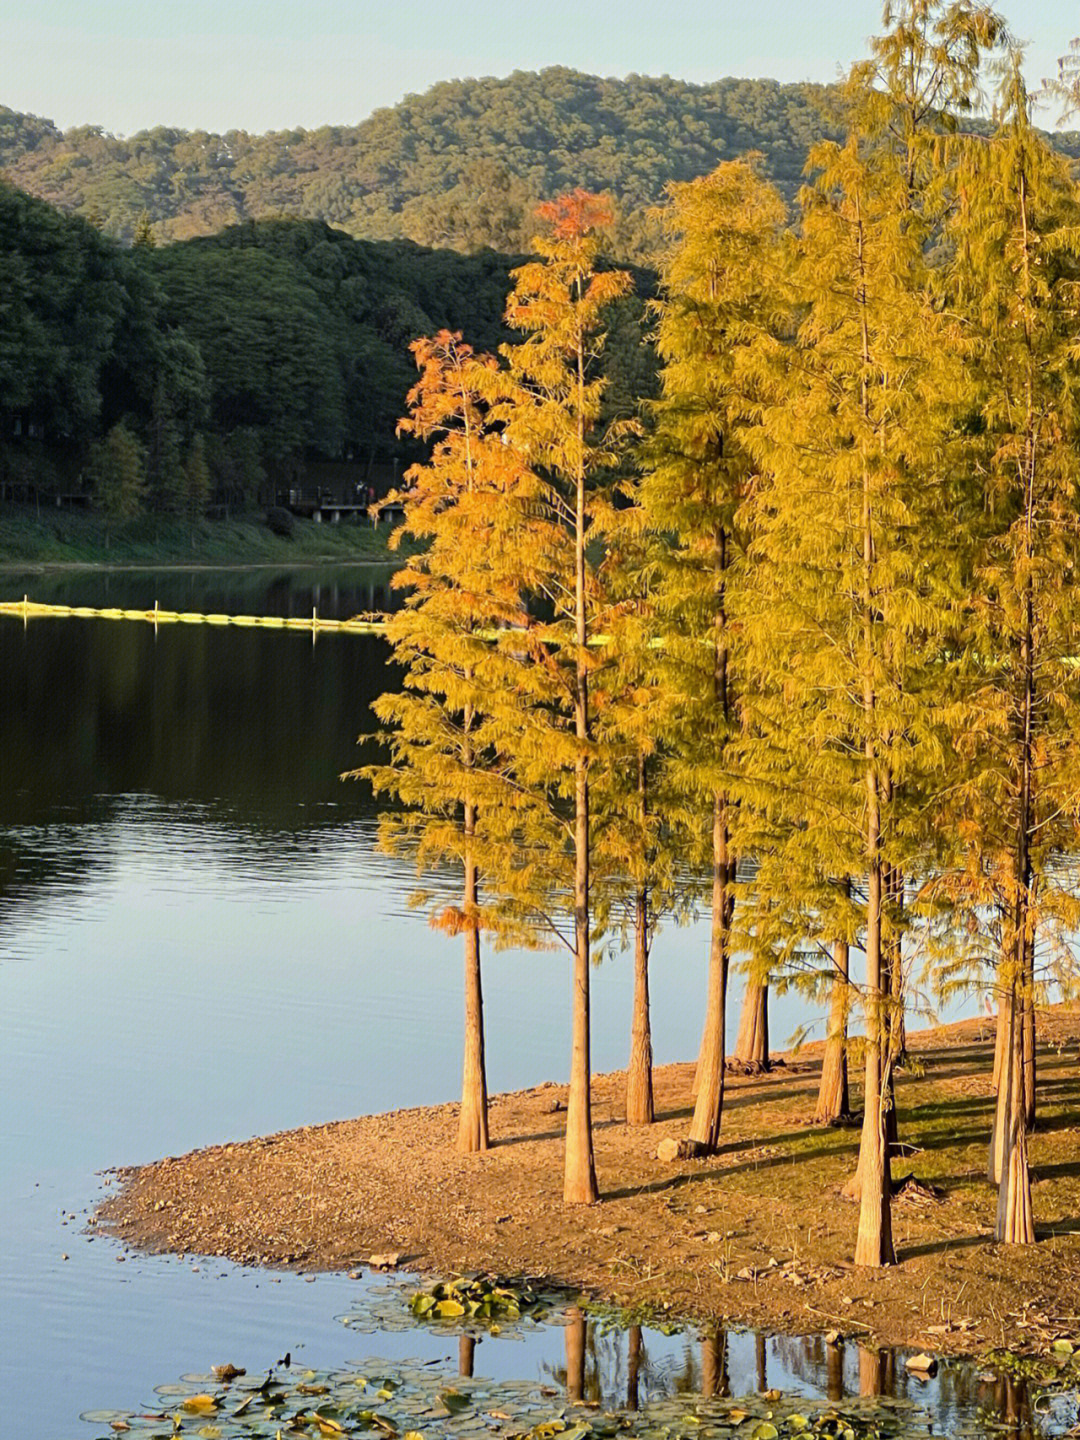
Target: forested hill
[461, 166]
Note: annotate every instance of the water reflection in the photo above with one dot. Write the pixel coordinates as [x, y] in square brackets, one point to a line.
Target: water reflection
[634, 1366]
[337, 592]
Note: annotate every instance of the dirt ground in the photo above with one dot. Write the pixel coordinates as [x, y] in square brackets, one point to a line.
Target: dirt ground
[757, 1235]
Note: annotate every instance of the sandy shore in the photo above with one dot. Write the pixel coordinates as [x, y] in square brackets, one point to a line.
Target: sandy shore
[758, 1234]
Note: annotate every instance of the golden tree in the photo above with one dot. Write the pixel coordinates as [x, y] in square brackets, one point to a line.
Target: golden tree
[550, 409]
[471, 507]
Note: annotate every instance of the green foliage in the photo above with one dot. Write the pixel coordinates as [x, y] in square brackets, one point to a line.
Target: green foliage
[196, 482]
[118, 474]
[63, 298]
[463, 165]
[477, 1298]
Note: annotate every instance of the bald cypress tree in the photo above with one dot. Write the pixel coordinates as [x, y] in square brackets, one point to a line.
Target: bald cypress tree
[550, 411]
[469, 505]
[838, 615]
[1016, 267]
[718, 291]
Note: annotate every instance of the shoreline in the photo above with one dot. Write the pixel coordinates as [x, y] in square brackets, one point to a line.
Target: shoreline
[756, 1235]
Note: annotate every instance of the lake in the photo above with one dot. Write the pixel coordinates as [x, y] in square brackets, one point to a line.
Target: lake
[199, 941]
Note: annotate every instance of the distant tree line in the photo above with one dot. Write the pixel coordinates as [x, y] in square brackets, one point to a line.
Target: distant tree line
[463, 165]
[208, 372]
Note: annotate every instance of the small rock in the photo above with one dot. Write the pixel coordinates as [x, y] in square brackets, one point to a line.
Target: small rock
[833, 1337]
[713, 1237]
[63, 1257]
[921, 1364]
[228, 1372]
[386, 1261]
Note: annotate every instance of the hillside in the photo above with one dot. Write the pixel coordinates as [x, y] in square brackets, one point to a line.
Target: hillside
[461, 166]
[271, 347]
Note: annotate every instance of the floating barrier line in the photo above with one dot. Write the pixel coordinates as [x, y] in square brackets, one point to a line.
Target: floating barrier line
[26, 609]
[374, 624]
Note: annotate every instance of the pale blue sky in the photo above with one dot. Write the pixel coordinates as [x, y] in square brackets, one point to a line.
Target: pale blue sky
[130, 64]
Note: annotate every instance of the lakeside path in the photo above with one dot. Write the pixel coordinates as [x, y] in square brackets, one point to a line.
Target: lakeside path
[756, 1235]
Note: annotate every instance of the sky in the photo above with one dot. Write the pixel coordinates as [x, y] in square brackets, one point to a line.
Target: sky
[259, 65]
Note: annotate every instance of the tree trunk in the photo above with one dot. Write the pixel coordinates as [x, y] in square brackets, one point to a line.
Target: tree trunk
[1016, 1095]
[466, 1356]
[1001, 1032]
[579, 1180]
[639, 1085]
[473, 1119]
[633, 1366]
[897, 999]
[575, 1356]
[874, 1245]
[871, 1372]
[834, 1370]
[752, 1042]
[1015, 1225]
[714, 1376]
[709, 1077]
[1029, 1034]
[709, 1106]
[833, 1098]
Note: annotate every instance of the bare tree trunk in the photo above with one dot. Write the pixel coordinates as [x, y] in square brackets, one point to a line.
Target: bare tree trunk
[466, 1356]
[709, 1080]
[575, 1356]
[874, 1244]
[871, 1372]
[473, 1119]
[834, 1370]
[639, 1079]
[633, 1366]
[579, 1181]
[714, 1376]
[833, 1098]
[1015, 1225]
[1029, 1035]
[752, 1042]
[639, 1086]
[1001, 1033]
[897, 998]
[1016, 1092]
[709, 1107]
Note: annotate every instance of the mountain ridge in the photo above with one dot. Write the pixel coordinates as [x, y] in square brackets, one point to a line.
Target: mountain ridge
[462, 164]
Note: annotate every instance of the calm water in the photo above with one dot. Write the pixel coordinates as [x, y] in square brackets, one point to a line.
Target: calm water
[198, 942]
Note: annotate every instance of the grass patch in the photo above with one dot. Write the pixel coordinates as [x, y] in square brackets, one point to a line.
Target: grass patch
[77, 538]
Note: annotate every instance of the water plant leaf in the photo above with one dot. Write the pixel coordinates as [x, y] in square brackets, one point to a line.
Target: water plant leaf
[199, 1404]
[454, 1401]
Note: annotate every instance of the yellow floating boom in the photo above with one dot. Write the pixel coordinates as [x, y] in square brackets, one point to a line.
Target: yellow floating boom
[26, 609]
